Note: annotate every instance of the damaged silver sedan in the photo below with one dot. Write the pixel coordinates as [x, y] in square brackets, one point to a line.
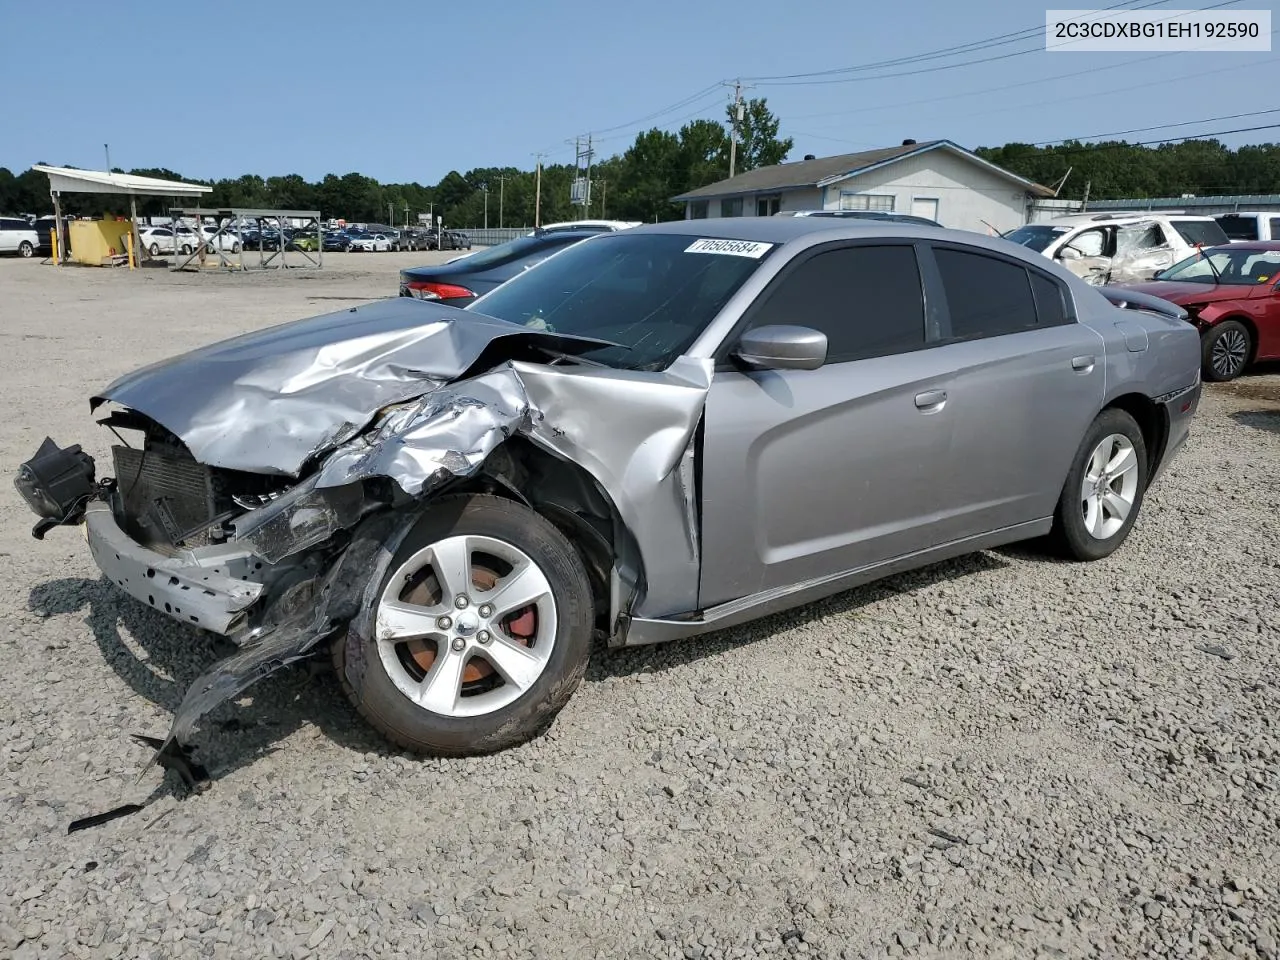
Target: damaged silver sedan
[651, 435]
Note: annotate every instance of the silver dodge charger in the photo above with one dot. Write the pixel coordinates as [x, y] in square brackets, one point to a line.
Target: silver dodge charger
[653, 434]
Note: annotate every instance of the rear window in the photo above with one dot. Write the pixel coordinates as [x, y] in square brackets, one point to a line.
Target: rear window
[986, 297]
[1239, 228]
[1204, 233]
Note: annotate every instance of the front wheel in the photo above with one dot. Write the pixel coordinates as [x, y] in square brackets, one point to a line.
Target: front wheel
[154, 250]
[482, 631]
[26, 249]
[1224, 350]
[1104, 489]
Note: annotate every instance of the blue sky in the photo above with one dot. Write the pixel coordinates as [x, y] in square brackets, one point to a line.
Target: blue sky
[407, 91]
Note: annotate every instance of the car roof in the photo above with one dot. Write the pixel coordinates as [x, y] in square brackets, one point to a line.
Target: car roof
[1248, 213]
[782, 229]
[1125, 216]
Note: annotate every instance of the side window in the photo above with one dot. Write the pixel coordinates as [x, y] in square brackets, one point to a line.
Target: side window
[1091, 243]
[1051, 301]
[986, 297]
[1275, 229]
[867, 300]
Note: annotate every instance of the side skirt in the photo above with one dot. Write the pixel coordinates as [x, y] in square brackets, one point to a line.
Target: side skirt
[640, 631]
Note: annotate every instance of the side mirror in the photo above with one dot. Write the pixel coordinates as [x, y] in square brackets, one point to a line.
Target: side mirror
[783, 347]
[1069, 253]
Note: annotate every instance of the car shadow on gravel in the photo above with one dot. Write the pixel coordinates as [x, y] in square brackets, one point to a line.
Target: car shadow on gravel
[1268, 420]
[159, 659]
[660, 657]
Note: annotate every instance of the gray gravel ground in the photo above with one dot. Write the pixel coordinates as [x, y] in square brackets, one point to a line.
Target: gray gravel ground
[1001, 756]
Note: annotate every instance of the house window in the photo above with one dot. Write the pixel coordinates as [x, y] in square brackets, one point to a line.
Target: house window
[866, 201]
[698, 210]
[731, 208]
[768, 206]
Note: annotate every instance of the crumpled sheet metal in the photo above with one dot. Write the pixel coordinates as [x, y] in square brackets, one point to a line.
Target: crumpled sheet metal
[304, 616]
[267, 401]
[631, 430]
[447, 433]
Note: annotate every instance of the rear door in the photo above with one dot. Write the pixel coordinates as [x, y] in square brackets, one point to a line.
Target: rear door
[10, 234]
[1028, 382]
[810, 473]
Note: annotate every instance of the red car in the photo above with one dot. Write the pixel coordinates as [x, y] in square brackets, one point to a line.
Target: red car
[1232, 293]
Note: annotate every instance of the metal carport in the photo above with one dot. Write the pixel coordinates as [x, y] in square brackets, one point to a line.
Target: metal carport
[69, 180]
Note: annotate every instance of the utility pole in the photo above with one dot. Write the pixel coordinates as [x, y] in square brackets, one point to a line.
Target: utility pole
[537, 197]
[733, 127]
[107, 148]
[502, 182]
[391, 214]
[604, 190]
[1085, 202]
[485, 188]
[587, 206]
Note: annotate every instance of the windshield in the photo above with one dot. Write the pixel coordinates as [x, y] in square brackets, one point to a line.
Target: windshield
[652, 293]
[1227, 265]
[1036, 236]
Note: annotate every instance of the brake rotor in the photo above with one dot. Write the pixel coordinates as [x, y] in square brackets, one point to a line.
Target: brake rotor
[521, 627]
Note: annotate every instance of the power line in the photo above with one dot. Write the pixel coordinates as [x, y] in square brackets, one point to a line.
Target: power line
[970, 47]
[946, 66]
[1162, 126]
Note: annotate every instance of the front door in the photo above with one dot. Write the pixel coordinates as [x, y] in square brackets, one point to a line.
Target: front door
[809, 473]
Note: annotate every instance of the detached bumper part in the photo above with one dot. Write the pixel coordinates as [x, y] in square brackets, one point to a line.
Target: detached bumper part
[55, 483]
[180, 586]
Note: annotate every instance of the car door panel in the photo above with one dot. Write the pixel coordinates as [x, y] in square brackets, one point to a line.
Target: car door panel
[1019, 404]
[809, 473]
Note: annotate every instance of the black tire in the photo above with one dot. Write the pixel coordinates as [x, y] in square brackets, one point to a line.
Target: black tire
[371, 690]
[1225, 349]
[235, 248]
[1070, 536]
[186, 249]
[26, 249]
[154, 250]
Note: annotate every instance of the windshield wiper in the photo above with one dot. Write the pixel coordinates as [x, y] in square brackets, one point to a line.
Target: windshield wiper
[1217, 276]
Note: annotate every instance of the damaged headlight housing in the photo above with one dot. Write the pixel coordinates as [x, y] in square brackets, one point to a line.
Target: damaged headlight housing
[303, 517]
[55, 481]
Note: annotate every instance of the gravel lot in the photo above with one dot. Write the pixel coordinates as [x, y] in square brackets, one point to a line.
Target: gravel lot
[999, 756]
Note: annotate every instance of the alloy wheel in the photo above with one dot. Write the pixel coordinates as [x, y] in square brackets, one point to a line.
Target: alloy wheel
[1230, 351]
[1110, 486]
[466, 625]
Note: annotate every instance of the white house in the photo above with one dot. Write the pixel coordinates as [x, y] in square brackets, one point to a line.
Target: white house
[936, 179]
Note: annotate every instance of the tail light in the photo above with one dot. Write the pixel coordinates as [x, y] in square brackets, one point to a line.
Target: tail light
[430, 290]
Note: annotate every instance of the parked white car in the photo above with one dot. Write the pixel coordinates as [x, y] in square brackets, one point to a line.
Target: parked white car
[1119, 247]
[1244, 226]
[227, 242]
[156, 240]
[371, 243]
[18, 236]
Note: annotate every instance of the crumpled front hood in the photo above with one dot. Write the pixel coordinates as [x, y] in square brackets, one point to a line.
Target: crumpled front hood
[267, 401]
[1183, 293]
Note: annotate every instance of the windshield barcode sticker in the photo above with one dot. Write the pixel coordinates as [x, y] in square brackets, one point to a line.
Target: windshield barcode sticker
[734, 248]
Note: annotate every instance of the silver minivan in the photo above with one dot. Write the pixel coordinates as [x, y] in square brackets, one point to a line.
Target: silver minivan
[18, 236]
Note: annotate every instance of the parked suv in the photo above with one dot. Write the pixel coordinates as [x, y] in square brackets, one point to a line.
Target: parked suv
[18, 236]
[1246, 226]
[1119, 247]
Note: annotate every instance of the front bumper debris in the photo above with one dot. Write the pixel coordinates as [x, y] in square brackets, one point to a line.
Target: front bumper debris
[195, 586]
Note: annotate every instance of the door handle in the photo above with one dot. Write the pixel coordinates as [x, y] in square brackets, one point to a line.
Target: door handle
[931, 401]
[1083, 364]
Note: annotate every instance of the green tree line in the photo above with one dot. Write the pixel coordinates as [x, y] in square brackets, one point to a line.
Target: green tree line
[638, 183]
[635, 185]
[1115, 170]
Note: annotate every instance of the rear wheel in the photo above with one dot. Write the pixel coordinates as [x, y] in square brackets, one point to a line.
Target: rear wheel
[1103, 493]
[1225, 349]
[26, 249]
[154, 250]
[482, 631]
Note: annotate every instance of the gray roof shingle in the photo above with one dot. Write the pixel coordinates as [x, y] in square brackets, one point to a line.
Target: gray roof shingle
[809, 173]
